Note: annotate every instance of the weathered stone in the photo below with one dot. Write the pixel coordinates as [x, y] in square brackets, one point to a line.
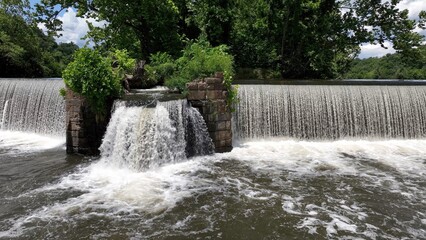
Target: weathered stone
[74, 134]
[214, 94]
[221, 125]
[228, 135]
[210, 99]
[218, 75]
[219, 135]
[212, 117]
[84, 131]
[224, 116]
[196, 95]
[213, 80]
[219, 86]
[210, 94]
[223, 149]
[197, 104]
[222, 108]
[228, 125]
[202, 86]
[192, 86]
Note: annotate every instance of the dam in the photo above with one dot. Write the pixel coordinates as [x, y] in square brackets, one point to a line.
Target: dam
[309, 162]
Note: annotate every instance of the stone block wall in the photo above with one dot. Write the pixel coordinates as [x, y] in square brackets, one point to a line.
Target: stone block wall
[209, 96]
[84, 131]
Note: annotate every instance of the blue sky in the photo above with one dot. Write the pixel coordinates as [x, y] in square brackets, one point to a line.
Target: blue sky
[75, 28]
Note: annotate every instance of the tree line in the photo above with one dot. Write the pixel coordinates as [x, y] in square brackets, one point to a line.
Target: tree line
[390, 66]
[25, 51]
[298, 38]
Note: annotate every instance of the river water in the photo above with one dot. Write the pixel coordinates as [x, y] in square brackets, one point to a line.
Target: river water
[353, 167]
[276, 189]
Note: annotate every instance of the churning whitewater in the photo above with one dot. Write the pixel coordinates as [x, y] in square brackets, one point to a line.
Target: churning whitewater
[143, 137]
[282, 189]
[157, 178]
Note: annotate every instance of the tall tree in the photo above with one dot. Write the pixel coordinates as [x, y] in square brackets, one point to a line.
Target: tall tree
[25, 51]
[143, 27]
[302, 38]
[318, 38]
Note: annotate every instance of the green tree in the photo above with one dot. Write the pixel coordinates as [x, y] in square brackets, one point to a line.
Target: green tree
[143, 27]
[301, 38]
[93, 76]
[390, 66]
[25, 51]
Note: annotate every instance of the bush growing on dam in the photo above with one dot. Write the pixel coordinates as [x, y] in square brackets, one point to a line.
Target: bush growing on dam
[161, 67]
[97, 77]
[199, 59]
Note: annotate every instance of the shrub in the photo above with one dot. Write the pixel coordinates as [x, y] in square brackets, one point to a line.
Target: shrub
[199, 59]
[92, 75]
[160, 68]
[122, 63]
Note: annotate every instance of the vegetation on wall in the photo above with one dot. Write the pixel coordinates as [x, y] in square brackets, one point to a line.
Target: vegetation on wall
[199, 59]
[93, 76]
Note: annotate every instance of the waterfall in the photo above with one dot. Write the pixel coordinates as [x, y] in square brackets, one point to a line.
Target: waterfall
[141, 137]
[3, 118]
[32, 105]
[330, 112]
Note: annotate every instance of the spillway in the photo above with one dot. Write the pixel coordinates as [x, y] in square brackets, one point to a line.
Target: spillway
[142, 137]
[330, 112]
[32, 105]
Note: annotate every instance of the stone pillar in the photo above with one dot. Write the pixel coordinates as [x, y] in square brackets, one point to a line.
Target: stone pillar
[209, 96]
[84, 131]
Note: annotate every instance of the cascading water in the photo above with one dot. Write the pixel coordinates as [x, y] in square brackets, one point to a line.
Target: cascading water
[144, 137]
[32, 106]
[330, 112]
[6, 104]
[276, 188]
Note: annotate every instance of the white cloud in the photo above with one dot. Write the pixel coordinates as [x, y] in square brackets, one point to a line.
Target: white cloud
[369, 50]
[74, 28]
[414, 7]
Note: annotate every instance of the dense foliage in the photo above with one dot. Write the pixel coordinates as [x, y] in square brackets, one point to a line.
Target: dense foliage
[25, 51]
[161, 67]
[300, 38]
[143, 27]
[391, 66]
[199, 59]
[93, 75]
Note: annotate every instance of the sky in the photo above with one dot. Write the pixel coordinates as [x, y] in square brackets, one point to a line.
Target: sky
[75, 28]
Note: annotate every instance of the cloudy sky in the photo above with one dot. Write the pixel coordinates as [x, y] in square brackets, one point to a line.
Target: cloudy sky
[75, 28]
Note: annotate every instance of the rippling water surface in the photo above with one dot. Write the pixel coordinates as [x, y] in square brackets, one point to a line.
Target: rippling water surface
[270, 189]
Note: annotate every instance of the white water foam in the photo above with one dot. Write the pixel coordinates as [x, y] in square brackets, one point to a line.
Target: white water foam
[12, 141]
[304, 157]
[111, 191]
[377, 164]
[118, 192]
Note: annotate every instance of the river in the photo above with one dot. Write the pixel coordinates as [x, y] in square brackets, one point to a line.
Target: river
[280, 189]
[268, 187]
